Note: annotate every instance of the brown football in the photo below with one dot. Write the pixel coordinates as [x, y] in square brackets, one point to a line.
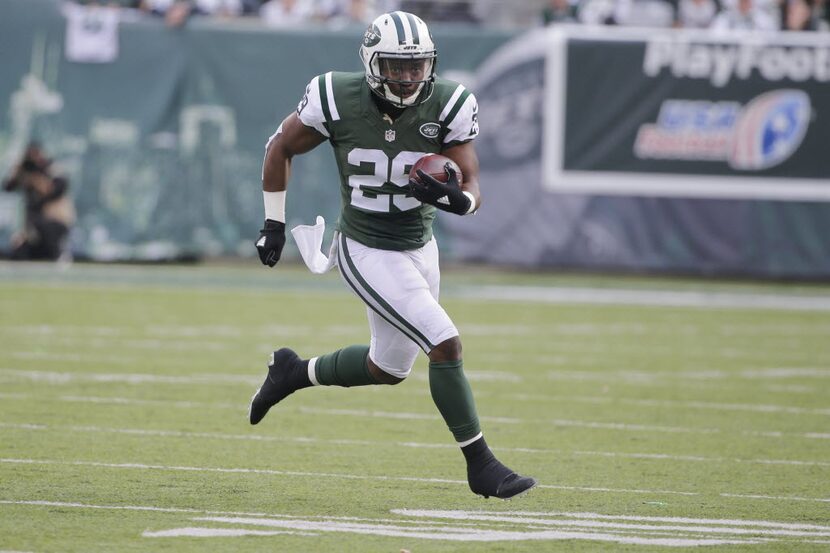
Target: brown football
[433, 165]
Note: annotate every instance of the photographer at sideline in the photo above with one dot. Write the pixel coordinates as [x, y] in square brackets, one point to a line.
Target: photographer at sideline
[49, 209]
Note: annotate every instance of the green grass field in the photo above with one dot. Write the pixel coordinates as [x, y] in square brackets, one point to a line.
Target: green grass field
[676, 414]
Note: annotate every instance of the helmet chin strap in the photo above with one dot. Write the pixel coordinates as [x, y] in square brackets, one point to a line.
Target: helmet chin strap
[397, 100]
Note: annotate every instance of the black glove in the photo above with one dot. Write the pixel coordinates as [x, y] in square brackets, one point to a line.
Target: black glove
[447, 196]
[270, 242]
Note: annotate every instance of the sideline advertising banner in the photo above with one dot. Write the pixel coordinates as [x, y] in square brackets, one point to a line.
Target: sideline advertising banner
[675, 113]
[610, 150]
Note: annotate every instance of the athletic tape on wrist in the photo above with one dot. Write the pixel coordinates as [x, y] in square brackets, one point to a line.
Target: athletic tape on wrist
[472, 207]
[274, 205]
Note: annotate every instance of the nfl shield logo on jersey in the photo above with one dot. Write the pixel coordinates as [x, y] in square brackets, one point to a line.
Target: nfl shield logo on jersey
[390, 135]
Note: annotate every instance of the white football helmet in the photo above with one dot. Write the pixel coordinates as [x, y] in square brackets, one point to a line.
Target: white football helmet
[398, 36]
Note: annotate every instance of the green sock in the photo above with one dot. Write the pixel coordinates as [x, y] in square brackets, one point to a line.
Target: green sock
[345, 367]
[454, 398]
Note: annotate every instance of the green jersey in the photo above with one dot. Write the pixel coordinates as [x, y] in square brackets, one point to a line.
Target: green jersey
[374, 153]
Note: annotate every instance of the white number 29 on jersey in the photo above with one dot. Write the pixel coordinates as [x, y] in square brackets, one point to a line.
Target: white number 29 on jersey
[385, 170]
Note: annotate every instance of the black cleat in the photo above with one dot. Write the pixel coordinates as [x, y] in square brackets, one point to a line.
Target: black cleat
[495, 479]
[287, 373]
[487, 476]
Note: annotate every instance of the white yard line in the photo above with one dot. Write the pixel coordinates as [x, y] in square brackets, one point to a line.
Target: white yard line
[709, 376]
[649, 378]
[718, 406]
[635, 378]
[700, 405]
[695, 458]
[120, 401]
[131, 378]
[66, 377]
[482, 534]
[701, 527]
[650, 298]
[188, 511]
[634, 427]
[598, 516]
[147, 402]
[148, 508]
[480, 526]
[502, 516]
[64, 341]
[778, 373]
[773, 497]
[746, 298]
[193, 532]
[274, 472]
[345, 476]
[67, 357]
[415, 445]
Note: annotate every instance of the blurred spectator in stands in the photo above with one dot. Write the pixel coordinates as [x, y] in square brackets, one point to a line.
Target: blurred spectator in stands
[251, 7]
[177, 12]
[360, 11]
[287, 13]
[803, 15]
[155, 7]
[350, 12]
[217, 8]
[442, 10]
[822, 8]
[558, 11]
[91, 32]
[644, 13]
[49, 211]
[744, 15]
[110, 3]
[696, 14]
[596, 12]
[385, 6]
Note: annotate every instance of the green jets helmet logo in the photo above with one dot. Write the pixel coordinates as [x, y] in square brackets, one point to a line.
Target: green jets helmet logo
[371, 36]
[430, 130]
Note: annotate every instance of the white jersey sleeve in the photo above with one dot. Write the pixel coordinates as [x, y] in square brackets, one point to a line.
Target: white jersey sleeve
[463, 126]
[310, 108]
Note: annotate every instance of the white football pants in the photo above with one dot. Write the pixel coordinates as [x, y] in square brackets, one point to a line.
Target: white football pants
[400, 290]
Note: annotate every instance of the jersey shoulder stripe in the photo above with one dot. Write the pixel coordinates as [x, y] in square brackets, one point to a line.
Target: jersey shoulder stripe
[459, 114]
[462, 99]
[327, 99]
[450, 105]
[310, 108]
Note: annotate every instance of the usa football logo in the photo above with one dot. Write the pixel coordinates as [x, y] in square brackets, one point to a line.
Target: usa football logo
[769, 129]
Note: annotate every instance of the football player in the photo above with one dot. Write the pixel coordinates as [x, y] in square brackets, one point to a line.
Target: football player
[379, 122]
